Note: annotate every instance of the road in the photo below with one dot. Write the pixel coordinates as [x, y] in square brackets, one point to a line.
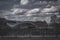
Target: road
[26, 38]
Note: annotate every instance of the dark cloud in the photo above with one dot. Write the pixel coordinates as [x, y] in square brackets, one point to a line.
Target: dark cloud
[7, 4]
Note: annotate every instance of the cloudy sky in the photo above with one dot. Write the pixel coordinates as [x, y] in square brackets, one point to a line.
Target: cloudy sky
[29, 7]
[41, 5]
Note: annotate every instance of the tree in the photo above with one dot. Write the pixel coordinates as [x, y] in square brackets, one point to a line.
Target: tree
[54, 23]
[41, 23]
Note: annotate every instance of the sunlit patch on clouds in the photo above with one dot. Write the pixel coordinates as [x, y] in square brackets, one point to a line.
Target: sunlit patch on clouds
[30, 12]
[24, 2]
[52, 9]
[18, 10]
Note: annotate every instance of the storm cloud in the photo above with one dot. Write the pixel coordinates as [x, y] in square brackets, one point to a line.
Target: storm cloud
[29, 7]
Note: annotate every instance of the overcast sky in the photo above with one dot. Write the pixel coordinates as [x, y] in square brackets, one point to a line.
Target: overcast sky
[30, 4]
[29, 7]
